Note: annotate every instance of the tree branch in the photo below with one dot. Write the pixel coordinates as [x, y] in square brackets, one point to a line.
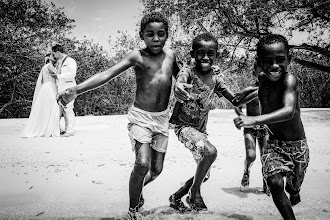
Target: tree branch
[312, 48]
[312, 65]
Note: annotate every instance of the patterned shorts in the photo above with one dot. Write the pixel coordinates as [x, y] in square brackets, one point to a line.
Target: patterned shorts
[194, 140]
[289, 157]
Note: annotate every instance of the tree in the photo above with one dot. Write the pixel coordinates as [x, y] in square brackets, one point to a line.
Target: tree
[239, 23]
[27, 28]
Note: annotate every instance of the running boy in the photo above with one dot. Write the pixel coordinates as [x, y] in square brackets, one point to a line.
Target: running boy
[149, 115]
[191, 114]
[253, 134]
[287, 153]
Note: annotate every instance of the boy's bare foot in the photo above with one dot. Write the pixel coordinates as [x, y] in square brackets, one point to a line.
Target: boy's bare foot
[246, 179]
[196, 204]
[177, 204]
[132, 213]
[295, 199]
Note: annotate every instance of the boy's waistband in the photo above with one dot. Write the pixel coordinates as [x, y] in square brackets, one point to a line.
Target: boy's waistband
[165, 112]
[275, 141]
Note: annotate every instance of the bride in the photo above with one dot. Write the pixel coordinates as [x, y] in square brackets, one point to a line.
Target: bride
[44, 119]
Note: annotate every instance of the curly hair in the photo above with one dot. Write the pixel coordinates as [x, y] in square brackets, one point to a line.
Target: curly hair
[207, 36]
[153, 17]
[271, 39]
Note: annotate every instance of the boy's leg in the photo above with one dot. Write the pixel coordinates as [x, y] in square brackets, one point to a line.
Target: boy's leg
[262, 142]
[158, 149]
[140, 170]
[209, 156]
[283, 204]
[250, 152]
[295, 181]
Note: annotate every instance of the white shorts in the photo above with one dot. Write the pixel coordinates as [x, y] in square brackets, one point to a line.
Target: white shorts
[149, 127]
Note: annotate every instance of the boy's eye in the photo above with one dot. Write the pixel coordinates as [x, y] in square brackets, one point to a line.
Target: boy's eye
[281, 60]
[200, 53]
[161, 34]
[210, 53]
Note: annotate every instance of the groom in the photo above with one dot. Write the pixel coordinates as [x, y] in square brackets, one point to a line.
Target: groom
[65, 78]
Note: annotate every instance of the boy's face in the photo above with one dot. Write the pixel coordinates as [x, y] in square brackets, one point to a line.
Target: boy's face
[205, 53]
[154, 36]
[274, 60]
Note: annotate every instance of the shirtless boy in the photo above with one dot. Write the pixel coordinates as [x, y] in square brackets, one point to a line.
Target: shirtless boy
[287, 153]
[148, 118]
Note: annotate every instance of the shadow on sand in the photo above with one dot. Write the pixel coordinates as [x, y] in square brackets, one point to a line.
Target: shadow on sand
[244, 192]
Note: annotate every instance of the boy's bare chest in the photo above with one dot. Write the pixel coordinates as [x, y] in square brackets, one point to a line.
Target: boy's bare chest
[154, 71]
[270, 97]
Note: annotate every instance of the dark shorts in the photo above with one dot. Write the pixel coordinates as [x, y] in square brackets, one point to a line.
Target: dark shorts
[288, 157]
[258, 131]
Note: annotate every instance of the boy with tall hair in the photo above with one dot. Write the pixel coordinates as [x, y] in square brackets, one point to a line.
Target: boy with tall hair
[287, 152]
[253, 135]
[148, 118]
[196, 88]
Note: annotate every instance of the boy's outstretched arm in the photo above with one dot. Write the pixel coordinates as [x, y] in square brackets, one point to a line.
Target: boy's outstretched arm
[244, 92]
[229, 95]
[97, 80]
[181, 86]
[290, 99]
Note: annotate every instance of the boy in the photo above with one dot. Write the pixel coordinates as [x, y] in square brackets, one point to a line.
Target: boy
[190, 116]
[287, 153]
[252, 135]
[149, 115]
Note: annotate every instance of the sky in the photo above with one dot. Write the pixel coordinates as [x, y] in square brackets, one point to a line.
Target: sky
[98, 19]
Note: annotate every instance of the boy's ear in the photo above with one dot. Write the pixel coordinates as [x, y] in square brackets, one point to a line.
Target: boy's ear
[289, 57]
[258, 61]
[192, 53]
[141, 35]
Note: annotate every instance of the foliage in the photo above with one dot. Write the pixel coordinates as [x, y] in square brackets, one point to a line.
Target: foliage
[29, 27]
[238, 24]
[26, 28]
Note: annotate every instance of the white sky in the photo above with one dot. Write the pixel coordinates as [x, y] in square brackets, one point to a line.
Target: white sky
[98, 19]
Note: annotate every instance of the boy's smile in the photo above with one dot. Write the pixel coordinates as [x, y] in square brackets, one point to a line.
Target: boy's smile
[274, 61]
[204, 55]
[154, 36]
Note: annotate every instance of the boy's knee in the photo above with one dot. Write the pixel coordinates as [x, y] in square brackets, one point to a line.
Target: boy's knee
[275, 182]
[210, 151]
[156, 171]
[141, 167]
[251, 156]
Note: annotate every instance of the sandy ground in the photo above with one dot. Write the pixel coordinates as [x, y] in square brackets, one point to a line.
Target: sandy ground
[86, 176]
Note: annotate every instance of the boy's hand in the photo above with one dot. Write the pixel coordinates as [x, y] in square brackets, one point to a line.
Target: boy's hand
[244, 121]
[239, 111]
[63, 98]
[181, 91]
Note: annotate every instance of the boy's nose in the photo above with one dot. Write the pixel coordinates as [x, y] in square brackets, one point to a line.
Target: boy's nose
[156, 38]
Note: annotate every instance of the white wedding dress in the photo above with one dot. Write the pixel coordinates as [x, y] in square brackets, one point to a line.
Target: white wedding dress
[44, 119]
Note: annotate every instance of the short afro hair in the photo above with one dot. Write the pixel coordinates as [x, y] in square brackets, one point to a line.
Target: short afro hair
[153, 17]
[271, 39]
[207, 36]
